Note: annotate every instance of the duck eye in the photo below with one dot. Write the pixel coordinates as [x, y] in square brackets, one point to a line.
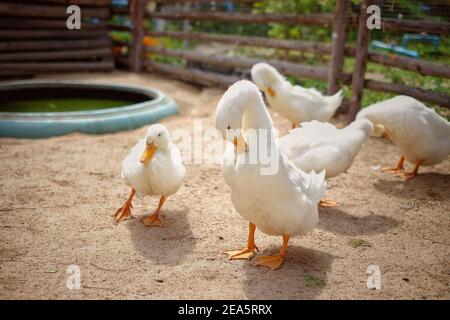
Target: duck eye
[228, 127]
[159, 134]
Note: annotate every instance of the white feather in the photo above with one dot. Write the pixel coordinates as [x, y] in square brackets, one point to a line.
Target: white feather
[162, 175]
[419, 132]
[321, 146]
[295, 103]
[282, 203]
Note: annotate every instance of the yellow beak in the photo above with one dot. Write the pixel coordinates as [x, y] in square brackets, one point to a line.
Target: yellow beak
[148, 153]
[271, 92]
[240, 144]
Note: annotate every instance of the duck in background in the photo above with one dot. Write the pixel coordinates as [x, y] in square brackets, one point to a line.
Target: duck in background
[321, 146]
[295, 103]
[281, 203]
[422, 135]
[153, 167]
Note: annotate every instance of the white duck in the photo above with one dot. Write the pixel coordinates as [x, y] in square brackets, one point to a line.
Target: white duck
[321, 146]
[421, 134]
[153, 167]
[283, 202]
[295, 103]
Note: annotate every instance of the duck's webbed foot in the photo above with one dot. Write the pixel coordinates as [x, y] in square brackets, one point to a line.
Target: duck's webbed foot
[248, 252]
[325, 203]
[124, 212]
[154, 220]
[398, 169]
[274, 262]
[412, 174]
[245, 254]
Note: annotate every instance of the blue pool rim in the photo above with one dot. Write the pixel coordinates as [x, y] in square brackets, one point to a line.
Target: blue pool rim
[48, 124]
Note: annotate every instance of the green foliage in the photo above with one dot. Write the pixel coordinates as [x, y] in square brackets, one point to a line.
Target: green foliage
[294, 6]
[123, 36]
[171, 44]
[245, 29]
[282, 31]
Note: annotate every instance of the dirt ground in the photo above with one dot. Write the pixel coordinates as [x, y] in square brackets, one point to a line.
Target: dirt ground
[58, 195]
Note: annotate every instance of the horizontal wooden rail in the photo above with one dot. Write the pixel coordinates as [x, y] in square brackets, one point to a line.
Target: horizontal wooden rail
[54, 45]
[56, 55]
[120, 10]
[120, 43]
[88, 3]
[320, 19]
[118, 28]
[50, 11]
[53, 24]
[417, 26]
[418, 93]
[122, 61]
[31, 67]
[205, 78]
[250, 41]
[420, 66]
[288, 68]
[305, 71]
[50, 34]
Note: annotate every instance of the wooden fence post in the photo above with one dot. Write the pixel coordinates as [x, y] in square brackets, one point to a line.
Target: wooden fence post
[362, 48]
[137, 14]
[338, 46]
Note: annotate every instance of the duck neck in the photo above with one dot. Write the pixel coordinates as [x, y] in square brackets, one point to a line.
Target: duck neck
[256, 118]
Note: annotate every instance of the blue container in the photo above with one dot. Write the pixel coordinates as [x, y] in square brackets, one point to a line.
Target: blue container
[47, 124]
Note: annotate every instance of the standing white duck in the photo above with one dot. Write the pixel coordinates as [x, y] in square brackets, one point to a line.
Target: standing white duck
[153, 167]
[421, 134]
[295, 103]
[321, 146]
[283, 202]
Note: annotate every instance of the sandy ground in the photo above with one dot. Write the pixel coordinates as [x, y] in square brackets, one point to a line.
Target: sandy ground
[57, 197]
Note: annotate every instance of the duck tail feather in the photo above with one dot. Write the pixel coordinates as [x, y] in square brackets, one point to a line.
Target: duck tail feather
[317, 186]
[335, 100]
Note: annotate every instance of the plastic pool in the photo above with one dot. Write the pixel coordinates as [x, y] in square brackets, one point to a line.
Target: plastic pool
[39, 108]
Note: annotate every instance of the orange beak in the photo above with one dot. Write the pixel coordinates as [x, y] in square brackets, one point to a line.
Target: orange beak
[148, 153]
[271, 92]
[239, 144]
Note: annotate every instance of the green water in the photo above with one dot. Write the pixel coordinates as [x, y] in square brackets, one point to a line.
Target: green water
[60, 105]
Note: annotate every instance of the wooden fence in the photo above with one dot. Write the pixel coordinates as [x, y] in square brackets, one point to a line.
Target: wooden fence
[34, 37]
[339, 23]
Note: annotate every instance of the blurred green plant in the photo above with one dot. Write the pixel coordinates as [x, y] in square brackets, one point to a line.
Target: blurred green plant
[282, 31]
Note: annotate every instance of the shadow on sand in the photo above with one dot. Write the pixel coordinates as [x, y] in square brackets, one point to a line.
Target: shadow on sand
[428, 185]
[169, 245]
[339, 221]
[302, 276]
